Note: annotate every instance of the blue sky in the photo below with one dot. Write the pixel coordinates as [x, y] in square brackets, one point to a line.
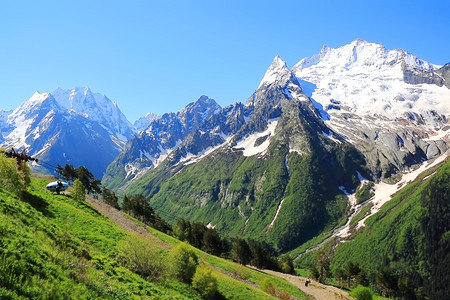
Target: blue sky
[157, 56]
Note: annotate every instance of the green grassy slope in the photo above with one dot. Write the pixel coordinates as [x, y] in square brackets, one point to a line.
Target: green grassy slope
[392, 234]
[52, 247]
[407, 239]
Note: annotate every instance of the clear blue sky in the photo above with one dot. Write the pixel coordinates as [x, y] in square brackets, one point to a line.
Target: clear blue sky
[160, 55]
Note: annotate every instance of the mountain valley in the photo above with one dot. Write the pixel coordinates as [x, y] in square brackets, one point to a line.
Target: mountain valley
[338, 160]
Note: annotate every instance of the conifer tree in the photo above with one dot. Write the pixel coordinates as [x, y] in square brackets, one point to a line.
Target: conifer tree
[240, 251]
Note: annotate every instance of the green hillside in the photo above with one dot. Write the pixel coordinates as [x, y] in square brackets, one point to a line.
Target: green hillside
[53, 247]
[404, 249]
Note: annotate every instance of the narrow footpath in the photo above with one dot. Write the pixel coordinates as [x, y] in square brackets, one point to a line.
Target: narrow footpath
[314, 290]
[123, 221]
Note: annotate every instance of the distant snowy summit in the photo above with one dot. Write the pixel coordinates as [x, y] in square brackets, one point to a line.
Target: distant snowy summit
[143, 122]
[368, 79]
[73, 126]
[97, 107]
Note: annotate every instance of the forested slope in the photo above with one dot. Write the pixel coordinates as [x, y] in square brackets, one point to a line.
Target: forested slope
[404, 249]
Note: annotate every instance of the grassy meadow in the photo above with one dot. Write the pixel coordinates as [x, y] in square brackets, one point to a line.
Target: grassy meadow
[53, 247]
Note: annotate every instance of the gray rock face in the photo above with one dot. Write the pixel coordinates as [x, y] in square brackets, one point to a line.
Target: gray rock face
[198, 126]
[445, 73]
[390, 146]
[414, 75]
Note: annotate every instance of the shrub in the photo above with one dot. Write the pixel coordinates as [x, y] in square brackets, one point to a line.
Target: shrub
[242, 271]
[204, 281]
[142, 258]
[268, 287]
[284, 296]
[361, 293]
[10, 178]
[79, 193]
[286, 264]
[184, 262]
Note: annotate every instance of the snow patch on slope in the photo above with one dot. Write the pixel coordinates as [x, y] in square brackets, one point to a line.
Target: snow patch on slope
[194, 158]
[384, 191]
[248, 144]
[276, 214]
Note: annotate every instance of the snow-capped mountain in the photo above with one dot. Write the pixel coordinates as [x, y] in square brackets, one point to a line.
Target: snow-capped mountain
[200, 125]
[68, 126]
[96, 107]
[277, 167]
[367, 79]
[390, 104]
[242, 167]
[393, 106]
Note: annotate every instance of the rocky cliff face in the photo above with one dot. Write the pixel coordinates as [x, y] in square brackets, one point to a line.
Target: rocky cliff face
[445, 73]
[174, 136]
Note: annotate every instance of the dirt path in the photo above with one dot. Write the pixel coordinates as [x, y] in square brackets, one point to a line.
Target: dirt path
[314, 290]
[124, 222]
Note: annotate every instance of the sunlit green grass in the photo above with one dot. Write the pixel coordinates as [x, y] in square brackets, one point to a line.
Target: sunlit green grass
[53, 247]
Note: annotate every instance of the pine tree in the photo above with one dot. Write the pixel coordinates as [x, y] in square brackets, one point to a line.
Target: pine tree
[240, 251]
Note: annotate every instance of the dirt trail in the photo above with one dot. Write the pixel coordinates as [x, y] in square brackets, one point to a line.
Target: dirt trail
[314, 290]
[124, 222]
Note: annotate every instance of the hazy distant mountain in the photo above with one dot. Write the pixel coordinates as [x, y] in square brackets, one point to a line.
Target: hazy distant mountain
[68, 126]
[143, 122]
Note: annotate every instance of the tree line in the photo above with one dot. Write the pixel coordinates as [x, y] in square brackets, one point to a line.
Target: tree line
[242, 251]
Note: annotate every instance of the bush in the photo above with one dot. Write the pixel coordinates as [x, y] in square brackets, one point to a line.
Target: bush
[204, 281]
[184, 262]
[268, 287]
[286, 264]
[242, 271]
[10, 178]
[79, 193]
[361, 293]
[142, 258]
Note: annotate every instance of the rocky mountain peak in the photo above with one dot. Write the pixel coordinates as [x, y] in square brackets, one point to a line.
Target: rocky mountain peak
[197, 112]
[31, 107]
[277, 72]
[97, 107]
